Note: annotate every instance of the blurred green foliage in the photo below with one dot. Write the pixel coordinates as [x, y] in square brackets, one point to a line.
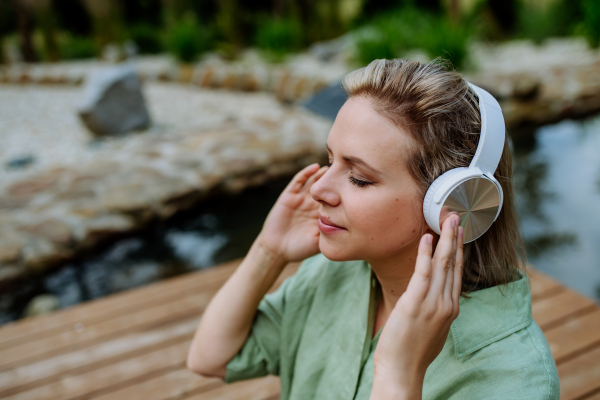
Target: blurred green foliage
[385, 28]
[393, 34]
[555, 19]
[187, 39]
[147, 38]
[72, 47]
[279, 36]
[590, 26]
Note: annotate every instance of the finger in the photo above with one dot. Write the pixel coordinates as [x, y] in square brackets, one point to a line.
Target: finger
[419, 282]
[458, 267]
[313, 178]
[298, 180]
[441, 259]
[450, 273]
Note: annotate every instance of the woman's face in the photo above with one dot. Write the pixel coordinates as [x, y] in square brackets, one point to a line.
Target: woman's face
[367, 191]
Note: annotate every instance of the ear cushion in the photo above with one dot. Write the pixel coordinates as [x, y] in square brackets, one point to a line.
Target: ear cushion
[429, 196]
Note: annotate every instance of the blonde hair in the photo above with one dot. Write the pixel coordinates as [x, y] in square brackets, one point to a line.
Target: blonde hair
[440, 111]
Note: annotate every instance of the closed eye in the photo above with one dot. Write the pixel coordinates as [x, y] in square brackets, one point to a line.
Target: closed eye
[353, 180]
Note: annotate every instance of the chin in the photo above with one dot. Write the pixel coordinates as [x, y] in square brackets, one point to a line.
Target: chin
[336, 251]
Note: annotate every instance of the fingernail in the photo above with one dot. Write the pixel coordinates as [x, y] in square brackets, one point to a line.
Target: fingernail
[429, 239]
[453, 222]
[460, 231]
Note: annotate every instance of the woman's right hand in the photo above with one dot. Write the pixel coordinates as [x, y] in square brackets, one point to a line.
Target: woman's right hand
[290, 230]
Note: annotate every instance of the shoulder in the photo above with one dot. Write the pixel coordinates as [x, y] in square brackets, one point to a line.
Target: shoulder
[496, 348]
[522, 364]
[518, 366]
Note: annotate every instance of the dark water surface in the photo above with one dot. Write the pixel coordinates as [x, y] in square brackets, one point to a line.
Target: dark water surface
[557, 176]
[558, 189]
[218, 231]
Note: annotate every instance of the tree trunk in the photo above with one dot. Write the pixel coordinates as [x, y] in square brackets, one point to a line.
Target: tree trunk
[25, 26]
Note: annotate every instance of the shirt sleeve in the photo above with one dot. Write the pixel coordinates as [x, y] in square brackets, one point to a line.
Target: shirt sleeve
[261, 353]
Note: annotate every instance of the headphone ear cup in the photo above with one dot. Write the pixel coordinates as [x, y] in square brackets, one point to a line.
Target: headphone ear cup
[477, 201]
[434, 220]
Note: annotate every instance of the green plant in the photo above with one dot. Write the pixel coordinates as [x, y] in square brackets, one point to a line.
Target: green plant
[393, 34]
[538, 22]
[76, 47]
[187, 39]
[146, 37]
[279, 36]
[590, 26]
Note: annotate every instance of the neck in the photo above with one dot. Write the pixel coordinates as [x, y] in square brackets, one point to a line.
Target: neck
[393, 275]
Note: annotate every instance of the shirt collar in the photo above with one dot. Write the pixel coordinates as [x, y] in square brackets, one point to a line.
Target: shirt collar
[488, 315]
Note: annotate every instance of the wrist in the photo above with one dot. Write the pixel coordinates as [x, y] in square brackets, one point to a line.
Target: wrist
[269, 257]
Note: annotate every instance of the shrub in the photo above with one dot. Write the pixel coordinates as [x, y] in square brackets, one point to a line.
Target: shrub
[76, 47]
[392, 35]
[538, 22]
[279, 36]
[146, 37]
[187, 39]
[590, 26]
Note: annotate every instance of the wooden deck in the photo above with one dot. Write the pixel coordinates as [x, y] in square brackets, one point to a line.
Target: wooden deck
[133, 345]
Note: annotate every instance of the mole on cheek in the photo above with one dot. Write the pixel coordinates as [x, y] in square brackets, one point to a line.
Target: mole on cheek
[414, 230]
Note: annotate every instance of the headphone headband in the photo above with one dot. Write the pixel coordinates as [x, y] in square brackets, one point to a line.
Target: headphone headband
[491, 139]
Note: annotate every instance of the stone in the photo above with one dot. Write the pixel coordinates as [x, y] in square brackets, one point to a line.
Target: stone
[41, 304]
[113, 102]
[20, 161]
[40, 253]
[52, 229]
[10, 245]
[104, 226]
[35, 185]
[9, 273]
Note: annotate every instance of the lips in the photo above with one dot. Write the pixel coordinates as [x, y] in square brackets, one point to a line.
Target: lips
[326, 221]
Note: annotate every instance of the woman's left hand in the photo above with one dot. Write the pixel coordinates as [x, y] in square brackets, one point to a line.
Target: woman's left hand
[418, 326]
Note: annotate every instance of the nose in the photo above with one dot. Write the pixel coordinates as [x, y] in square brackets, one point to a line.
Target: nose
[324, 190]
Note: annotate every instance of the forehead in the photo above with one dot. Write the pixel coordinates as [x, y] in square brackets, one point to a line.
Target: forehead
[360, 131]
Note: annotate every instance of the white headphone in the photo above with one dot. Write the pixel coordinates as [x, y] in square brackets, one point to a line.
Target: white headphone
[472, 192]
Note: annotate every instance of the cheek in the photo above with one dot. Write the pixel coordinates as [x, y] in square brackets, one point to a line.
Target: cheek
[384, 220]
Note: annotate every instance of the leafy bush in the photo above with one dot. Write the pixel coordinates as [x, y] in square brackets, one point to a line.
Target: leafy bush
[146, 37]
[278, 36]
[76, 47]
[188, 39]
[537, 22]
[393, 34]
[590, 26]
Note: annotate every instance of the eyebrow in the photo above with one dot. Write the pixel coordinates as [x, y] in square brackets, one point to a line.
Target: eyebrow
[357, 161]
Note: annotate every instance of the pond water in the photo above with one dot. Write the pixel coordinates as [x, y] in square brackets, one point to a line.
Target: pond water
[557, 176]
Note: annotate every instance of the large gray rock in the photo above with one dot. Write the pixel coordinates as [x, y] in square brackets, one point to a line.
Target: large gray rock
[113, 102]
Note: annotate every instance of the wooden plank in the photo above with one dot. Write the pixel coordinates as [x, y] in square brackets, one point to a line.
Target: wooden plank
[78, 361]
[593, 396]
[110, 377]
[266, 388]
[98, 356]
[163, 314]
[173, 385]
[176, 310]
[580, 376]
[550, 311]
[541, 284]
[129, 301]
[574, 336]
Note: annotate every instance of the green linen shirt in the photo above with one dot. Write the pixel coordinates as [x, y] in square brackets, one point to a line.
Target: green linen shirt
[315, 332]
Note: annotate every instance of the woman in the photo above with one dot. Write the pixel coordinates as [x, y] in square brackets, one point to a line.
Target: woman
[376, 314]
